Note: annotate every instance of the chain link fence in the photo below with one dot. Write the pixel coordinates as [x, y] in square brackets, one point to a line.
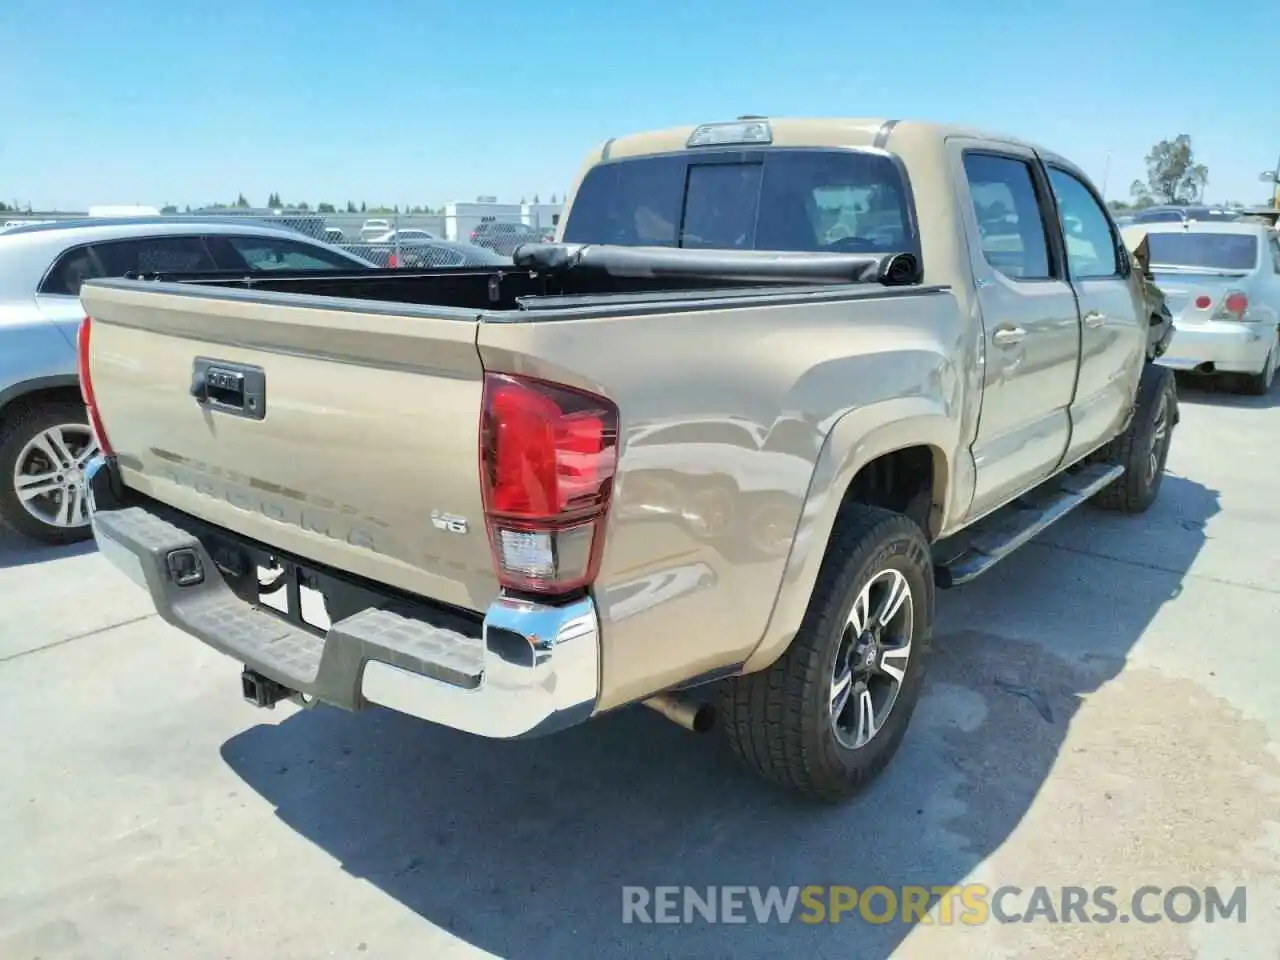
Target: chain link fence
[459, 235]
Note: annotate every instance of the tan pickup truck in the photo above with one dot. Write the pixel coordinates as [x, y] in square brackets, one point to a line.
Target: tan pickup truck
[712, 450]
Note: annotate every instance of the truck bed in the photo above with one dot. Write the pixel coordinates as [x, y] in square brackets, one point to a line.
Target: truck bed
[574, 276]
[353, 440]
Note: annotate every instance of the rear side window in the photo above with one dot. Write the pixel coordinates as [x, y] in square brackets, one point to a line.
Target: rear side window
[154, 255]
[69, 271]
[787, 200]
[115, 258]
[1011, 225]
[1211, 251]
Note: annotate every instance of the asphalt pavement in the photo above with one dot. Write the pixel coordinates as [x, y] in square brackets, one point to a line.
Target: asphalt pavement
[1102, 709]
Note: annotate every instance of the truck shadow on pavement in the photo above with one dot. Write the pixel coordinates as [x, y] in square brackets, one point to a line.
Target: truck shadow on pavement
[16, 551]
[523, 849]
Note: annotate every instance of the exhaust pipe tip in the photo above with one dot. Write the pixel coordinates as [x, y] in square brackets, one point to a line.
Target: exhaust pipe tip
[694, 715]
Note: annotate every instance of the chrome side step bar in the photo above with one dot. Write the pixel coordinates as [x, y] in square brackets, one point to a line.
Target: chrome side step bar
[1020, 522]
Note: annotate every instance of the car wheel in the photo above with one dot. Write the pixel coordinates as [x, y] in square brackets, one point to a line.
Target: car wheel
[1143, 448]
[827, 717]
[43, 453]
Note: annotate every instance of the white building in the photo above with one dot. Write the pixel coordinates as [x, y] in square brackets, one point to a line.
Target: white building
[461, 216]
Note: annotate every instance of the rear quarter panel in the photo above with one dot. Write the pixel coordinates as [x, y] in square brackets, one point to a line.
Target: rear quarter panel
[34, 353]
[726, 415]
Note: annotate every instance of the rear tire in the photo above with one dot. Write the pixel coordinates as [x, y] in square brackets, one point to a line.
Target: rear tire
[18, 456]
[1259, 384]
[1143, 448]
[827, 717]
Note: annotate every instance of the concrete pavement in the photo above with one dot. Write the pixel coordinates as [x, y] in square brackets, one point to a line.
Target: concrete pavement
[1102, 709]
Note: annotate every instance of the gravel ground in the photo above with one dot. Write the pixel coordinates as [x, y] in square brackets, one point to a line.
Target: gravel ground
[1102, 710]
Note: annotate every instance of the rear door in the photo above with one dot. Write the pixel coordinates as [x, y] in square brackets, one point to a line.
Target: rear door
[1029, 316]
[1113, 327]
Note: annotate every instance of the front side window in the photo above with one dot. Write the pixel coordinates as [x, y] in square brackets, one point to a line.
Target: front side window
[272, 253]
[831, 201]
[1091, 246]
[1011, 226]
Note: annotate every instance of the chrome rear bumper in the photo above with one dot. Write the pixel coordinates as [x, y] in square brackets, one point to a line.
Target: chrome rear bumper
[532, 669]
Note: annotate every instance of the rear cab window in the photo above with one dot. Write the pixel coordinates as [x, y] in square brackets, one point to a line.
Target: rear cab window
[1235, 252]
[783, 199]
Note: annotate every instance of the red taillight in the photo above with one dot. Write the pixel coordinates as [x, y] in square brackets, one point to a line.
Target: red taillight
[1203, 302]
[472, 235]
[393, 260]
[547, 460]
[1236, 303]
[86, 384]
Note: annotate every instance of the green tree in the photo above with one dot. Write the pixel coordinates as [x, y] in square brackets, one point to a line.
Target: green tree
[325, 208]
[362, 210]
[274, 201]
[168, 208]
[351, 207]
[1173, 176]
[242, 203]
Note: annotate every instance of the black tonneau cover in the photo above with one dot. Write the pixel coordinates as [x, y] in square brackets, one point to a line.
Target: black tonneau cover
[546, 274]
[744, 266]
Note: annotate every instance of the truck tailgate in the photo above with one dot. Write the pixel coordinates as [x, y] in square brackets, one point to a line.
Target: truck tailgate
[364, 429]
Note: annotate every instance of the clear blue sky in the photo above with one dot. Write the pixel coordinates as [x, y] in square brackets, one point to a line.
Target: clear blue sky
[396, 101]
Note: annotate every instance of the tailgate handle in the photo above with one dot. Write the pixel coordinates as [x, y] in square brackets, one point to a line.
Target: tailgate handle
[236, 389]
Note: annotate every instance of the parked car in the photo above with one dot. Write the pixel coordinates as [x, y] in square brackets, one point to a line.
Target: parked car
[427, 254]
[334, 235]
[375, 227]
[816, 296]
[1222, 284]
[1169, 213]
[45, 437]
[405, 234]
[503, 236]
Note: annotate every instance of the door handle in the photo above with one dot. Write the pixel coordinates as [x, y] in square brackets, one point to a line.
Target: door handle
[1094, 319]
[1008, 336]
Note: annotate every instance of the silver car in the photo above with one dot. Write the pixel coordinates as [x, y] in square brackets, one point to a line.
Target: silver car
[1221, 281]
[45, 438]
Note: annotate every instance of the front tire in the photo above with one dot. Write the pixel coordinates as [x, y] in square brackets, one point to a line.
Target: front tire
[1143, 448]
[827, 717]
[43, 452]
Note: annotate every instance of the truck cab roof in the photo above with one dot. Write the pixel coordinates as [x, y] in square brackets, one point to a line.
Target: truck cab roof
[796, 132]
